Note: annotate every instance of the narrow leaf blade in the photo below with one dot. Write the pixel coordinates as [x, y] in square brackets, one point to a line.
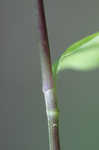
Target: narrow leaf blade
[82, 55]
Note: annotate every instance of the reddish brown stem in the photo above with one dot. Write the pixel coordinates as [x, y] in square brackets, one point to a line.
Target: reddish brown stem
[44, 43]
[47, 81]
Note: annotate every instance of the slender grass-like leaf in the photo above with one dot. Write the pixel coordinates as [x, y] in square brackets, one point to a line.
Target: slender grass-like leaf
[82, 55]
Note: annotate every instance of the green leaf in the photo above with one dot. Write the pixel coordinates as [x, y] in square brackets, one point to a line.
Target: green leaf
[83, 55]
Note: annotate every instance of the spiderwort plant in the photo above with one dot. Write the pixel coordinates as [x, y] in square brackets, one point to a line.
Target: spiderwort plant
[83, 55]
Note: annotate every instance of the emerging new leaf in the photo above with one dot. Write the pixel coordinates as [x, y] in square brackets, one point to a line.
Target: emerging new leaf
[83, 55]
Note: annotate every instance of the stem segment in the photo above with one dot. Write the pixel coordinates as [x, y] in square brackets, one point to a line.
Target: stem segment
[47, 81]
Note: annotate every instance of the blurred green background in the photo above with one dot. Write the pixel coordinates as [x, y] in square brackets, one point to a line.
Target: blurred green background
[23, 124]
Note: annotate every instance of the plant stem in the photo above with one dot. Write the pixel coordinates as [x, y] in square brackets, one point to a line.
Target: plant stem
[48, 86]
